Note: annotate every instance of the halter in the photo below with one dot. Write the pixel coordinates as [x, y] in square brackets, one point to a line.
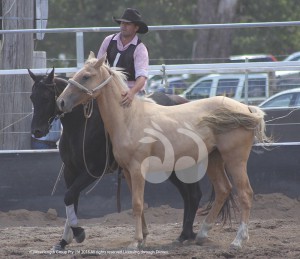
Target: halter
[87, 91]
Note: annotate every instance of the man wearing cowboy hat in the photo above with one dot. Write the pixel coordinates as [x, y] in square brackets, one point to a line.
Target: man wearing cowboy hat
[126, 50]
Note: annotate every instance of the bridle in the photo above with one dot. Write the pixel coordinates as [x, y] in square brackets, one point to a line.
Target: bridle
[88, 91]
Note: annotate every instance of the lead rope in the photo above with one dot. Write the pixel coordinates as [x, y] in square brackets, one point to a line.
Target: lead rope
[58, 178]
[88, 110]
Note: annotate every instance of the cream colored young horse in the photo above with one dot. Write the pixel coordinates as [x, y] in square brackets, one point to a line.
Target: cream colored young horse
[226, 127]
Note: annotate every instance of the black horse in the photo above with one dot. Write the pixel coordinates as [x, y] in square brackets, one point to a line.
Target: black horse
[83, 150]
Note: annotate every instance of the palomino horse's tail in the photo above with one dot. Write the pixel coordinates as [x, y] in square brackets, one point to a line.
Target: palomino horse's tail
[260, 129]
[225, 212]
[223, 120]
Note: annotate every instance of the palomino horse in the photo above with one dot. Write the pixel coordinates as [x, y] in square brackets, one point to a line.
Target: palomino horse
[83, 151]
[224, 128]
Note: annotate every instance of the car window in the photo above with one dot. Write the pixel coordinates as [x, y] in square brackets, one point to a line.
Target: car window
[297, 99]
[201, 90]
[227, 87]
[256, 87]
[179, 85]
[295, 58]
[280, 101]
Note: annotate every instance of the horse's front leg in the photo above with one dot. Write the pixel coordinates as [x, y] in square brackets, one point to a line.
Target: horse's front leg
[138, 186]
[144, 224]
[71, 201]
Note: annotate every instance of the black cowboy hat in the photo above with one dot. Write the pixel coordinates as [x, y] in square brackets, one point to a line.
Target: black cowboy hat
[132, 15]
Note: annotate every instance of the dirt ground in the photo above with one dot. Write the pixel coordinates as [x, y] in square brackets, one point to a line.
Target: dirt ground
[274, 231]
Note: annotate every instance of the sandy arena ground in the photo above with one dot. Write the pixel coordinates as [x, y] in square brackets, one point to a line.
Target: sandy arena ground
[274, 231]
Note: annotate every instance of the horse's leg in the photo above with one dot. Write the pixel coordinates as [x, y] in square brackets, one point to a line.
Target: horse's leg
[222, 188]
[144, 225]
[236, 166]
[137, 186]
[71, 201]
[145, 230]
[191, 195]
[67, 236]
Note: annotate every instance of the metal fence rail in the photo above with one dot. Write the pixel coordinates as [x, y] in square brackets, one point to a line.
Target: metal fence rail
[80, 37]
[255, 67]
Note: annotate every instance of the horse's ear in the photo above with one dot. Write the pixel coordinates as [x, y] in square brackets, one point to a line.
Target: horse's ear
[50, 77]
[31, 74]
[91, 55]
[100, 62]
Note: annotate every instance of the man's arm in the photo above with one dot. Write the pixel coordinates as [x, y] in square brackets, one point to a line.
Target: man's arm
[129, 95]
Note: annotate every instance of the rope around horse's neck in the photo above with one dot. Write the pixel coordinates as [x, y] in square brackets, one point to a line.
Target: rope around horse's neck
[89, 110]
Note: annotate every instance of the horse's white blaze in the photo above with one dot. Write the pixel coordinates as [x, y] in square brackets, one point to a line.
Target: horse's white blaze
[242, 235]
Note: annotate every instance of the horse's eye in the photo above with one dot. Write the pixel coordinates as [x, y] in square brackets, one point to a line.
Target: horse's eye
[85, 78]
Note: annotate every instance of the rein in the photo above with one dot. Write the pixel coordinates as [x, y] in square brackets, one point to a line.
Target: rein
[87, 110]
[87, 91]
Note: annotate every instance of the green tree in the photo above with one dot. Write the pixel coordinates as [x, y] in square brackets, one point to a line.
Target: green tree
[176, 46]
[279, 41]
[163, 46]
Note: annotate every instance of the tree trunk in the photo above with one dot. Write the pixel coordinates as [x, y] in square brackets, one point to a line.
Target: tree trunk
[15, 104]
[214, 45]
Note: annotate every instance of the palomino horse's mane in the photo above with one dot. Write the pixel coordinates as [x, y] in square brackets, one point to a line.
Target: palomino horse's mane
[119, 77]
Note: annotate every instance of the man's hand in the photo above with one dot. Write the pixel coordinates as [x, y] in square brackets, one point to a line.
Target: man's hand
[127, 98]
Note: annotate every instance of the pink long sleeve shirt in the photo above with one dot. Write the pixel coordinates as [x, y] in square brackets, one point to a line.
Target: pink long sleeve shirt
[140, 55]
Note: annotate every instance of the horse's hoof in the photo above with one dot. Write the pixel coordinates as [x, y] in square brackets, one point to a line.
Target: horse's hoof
[136, 245]
[177, 241]
[206, 242]
[234, 247]
[185, 238]
[60, 246]
[79, 234]
[69, 237]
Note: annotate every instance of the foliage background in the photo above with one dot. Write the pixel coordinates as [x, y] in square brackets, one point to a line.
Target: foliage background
[172, 46]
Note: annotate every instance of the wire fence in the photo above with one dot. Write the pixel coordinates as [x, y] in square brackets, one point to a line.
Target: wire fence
[280, 75]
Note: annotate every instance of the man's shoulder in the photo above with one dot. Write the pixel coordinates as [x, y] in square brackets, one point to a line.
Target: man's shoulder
[109, 37]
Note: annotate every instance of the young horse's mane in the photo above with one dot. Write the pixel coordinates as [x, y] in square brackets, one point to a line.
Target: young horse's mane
[119, 77]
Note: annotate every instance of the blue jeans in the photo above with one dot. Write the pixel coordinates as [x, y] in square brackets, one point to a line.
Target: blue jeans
[42, 144]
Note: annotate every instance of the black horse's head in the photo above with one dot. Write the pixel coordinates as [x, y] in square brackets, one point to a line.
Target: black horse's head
[43, 96]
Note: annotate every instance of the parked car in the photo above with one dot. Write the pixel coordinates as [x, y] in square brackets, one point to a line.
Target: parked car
[293, 57]
[252, 58]
[283, 115]
[288, 79]
[230, 85]
[174, 85]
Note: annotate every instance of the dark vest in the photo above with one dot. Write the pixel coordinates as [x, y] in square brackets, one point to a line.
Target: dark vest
[126, 60]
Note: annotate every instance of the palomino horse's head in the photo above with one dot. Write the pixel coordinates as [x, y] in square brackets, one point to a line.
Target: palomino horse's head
[43, 100]
[85, 84]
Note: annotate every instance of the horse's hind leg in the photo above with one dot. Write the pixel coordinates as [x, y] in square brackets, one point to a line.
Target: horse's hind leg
[236, 166]
[191, 195]
[222, 188]
[245, 195]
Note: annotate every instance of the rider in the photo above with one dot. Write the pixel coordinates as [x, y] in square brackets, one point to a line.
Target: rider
[125, 50]
[50, 140]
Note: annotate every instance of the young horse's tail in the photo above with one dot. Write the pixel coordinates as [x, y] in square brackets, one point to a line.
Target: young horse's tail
[224, 119]
[225, 212]
[260, 129]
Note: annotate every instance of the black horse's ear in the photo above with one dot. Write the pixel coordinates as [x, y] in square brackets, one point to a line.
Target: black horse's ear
[31, 74]
[50, 77]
